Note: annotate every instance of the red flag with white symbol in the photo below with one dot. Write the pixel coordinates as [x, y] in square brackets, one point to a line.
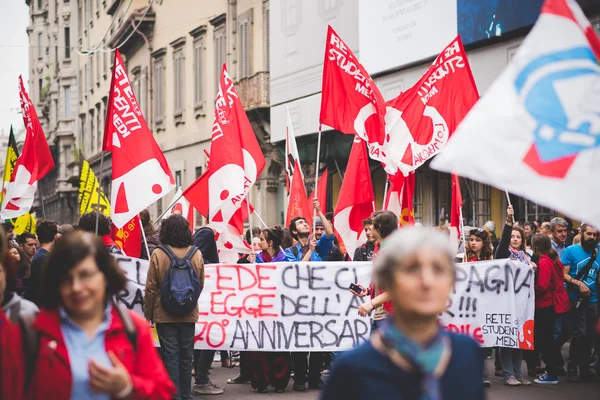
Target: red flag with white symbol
[236, 161]
[355, 202]
[299, 205]
[421, 120]
[140, 171]
[321, 191]
[350, 102]
[33, 164]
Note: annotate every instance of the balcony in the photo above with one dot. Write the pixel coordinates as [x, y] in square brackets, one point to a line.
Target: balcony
[254, 91]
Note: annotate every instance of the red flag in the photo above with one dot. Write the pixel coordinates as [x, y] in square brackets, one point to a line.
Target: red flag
[349, 95]
[129, 237]
[457, 202]
[299, 205]
[355, 202]
[407, 215]
[421, 120]
[235, 162]
[321, 191]
[392, 201]
[140, 171]
[33, 164]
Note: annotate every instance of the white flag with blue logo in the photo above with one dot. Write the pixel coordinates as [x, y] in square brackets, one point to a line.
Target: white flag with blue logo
[536, 132]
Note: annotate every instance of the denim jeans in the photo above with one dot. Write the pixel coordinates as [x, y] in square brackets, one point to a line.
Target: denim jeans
[203, 366]
[512, 360]
[177, 351]
[307, 371]
[582, 322]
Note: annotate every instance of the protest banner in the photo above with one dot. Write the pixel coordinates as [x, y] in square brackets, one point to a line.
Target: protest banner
[493, 302]
[308, 307]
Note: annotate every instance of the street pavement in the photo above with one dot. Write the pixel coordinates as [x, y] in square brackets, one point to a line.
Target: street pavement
[498, 391]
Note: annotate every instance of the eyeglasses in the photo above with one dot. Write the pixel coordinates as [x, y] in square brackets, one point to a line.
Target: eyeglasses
[84, 277]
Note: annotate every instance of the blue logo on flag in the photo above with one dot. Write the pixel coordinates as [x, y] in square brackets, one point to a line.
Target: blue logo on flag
[561, 91]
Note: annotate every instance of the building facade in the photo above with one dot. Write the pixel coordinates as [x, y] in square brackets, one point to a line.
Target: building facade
[173, 59]
[53, 90]
[396, 43]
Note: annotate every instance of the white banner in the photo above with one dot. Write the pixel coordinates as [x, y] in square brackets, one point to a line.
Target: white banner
[271, 307]
[308, 307]
[494, 302]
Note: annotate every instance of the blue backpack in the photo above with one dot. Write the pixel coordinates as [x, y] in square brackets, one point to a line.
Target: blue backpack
[181, 288]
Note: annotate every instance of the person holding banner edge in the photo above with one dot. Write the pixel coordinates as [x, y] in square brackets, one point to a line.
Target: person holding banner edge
[410, 353]
[512, 246]
[306, 250]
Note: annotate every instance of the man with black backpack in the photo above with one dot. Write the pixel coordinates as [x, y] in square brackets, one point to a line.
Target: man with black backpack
[581, 274]
[173, 285]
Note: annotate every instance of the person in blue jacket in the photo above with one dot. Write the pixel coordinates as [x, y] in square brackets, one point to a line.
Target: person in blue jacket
[410, 355]
[306, 247]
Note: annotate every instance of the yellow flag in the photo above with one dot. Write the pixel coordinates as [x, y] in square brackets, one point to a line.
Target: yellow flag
[12, 153]
[88, 191]
[24, 223]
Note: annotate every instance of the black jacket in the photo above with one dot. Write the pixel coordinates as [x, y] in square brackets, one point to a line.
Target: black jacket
[204, 240]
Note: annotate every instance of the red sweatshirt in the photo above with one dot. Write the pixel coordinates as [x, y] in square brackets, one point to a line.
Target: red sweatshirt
[543, 282]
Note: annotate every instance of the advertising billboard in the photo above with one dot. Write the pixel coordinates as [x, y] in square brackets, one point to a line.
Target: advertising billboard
[393, 33]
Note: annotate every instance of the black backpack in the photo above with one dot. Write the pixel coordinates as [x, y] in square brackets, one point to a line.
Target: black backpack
[181, 287]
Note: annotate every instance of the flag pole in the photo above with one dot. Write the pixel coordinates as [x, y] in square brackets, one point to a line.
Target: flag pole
[167, 210]
[261, 220]
[510, 204]
[385, 190]
[317, 175]
[144, 236]
[249, 213]
[42, 200]
[338, 168]
[99, 186]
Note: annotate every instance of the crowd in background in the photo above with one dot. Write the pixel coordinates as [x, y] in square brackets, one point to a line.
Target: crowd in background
[57, 287]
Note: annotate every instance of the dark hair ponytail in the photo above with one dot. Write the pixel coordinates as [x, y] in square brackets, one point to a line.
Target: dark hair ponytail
[274, 235]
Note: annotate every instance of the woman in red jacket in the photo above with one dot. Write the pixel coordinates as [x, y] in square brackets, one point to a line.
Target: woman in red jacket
[546, 281]
[85, 348]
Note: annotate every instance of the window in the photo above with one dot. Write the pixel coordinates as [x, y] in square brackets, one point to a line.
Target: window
[92, 132]
[90, 4]
[178, 82]
[40, 45]
[199, 72]
[139, 88]
[219, 53]
[267, 37]
[80, 86]
[40, 4]
[98, 57]
[198, 216]
[67, 42]
[87, 82]
[79, 18]
[91, 63]
[105, 63]
[245, 43]
[67, 90]
[477, 207]
[40, 89]
[55, 106]
[158, 87]
[178, 179]
[99, 133]
[418, 198]
[290, 13]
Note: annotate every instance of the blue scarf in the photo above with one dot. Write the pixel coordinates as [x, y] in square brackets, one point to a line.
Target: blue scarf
[424, 359]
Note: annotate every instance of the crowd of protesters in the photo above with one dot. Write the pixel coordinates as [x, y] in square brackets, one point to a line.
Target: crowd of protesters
[57, 291]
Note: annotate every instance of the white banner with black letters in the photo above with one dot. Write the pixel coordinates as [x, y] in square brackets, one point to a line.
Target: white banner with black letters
[308, 307]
